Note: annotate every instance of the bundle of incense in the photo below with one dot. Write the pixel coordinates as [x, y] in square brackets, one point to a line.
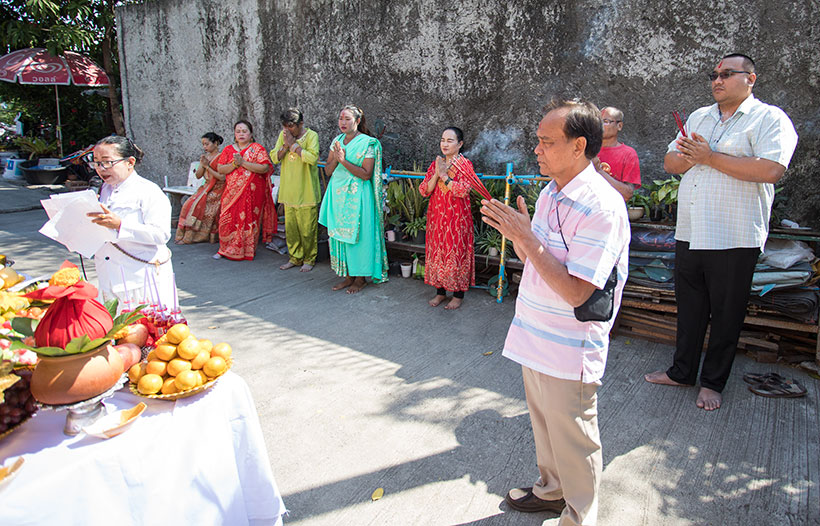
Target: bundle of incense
[471, 177]
[679, 120]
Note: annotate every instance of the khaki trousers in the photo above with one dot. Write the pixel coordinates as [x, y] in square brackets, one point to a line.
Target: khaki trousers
[564, 416]
[301, 231]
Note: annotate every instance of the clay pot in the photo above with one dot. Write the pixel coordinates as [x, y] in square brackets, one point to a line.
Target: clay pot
[69, 379]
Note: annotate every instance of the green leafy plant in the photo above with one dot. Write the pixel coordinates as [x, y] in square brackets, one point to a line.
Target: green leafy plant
[36, 147]
[667, 190]
[404, 199]
[80, 344]
[414, 227]
[639, 201]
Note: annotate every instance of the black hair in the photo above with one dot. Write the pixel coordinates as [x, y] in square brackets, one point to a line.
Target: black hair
[214, 138]
[459, 135]
[246, 123]
[582, 120]
[748, 63]
[291, 116]
[358, 114]
[125, 146]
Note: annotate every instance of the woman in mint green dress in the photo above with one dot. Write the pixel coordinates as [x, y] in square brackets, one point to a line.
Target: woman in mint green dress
[352, 207]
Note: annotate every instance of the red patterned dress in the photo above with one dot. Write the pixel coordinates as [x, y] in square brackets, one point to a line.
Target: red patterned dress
[449, 255]
[247, 205]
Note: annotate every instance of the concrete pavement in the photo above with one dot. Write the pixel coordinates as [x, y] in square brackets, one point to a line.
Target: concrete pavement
[380, 390]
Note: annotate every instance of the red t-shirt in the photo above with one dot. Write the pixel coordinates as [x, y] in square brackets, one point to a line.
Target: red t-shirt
[624, 163]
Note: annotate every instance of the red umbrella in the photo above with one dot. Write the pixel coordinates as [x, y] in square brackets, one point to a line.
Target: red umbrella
[38, 66]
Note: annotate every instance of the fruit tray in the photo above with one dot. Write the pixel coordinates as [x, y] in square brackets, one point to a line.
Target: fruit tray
[182, 394]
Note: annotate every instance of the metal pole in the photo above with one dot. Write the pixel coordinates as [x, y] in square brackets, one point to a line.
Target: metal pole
[59, 122]
[501, 276]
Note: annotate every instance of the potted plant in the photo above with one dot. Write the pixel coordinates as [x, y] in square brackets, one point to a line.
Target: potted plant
[638, 206]
[488, 241]
[35, 170]
[668, 195]
[415, 230]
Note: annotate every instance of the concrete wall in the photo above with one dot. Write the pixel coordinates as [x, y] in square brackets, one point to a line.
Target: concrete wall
[487, 66]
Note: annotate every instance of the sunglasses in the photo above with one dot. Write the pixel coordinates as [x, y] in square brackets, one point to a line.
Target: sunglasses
[725, 74]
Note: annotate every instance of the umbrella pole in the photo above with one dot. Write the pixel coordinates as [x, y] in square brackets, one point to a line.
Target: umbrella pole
[59, 123]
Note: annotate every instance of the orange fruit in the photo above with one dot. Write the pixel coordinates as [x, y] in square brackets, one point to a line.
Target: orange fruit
[188, 348]
[203, 378]
[177, 333]
[215, 366]
[186, 380]
[136, 372]
[200, 359]
[168, 386]
[162, 339]
[166, 352]
[149, 384]
[222, 350]
[177, 365]
[151, 356]
[206, 344]
[157, 367]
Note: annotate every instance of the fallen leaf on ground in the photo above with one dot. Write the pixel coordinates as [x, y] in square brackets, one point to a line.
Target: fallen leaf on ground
[377, 494]
[488, 353]
[212, 327]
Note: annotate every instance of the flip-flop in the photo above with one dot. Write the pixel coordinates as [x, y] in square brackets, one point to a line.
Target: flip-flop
[772, 389]
[755, 378]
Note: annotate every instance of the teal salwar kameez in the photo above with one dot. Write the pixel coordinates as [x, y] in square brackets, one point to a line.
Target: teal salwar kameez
[352, 212]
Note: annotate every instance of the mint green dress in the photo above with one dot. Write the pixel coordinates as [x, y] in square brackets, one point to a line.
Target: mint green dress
[352, 212]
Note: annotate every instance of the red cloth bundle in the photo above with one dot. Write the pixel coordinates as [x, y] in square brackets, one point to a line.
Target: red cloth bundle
[75, 312]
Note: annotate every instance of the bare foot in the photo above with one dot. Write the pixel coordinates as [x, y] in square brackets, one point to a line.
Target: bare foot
[287, 266]
[660, 377]
[358, 284]
[453, 304]
[437, 299]
[709, 399]
[307, 267]
[344, 284]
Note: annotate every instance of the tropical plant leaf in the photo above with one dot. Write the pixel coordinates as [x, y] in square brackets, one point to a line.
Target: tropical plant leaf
[111, 306]
[25, 326]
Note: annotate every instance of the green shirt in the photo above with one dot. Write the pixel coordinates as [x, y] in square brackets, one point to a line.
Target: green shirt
[299, 176]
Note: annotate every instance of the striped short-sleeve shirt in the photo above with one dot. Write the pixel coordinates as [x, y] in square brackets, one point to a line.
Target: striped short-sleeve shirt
[717, 211]
[590, 217]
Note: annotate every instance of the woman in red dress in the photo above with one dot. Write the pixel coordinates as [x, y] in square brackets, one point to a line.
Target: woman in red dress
[449, 256]
[247, 205]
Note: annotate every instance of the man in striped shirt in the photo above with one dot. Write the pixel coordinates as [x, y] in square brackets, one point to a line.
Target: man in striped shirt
[733, 153]
[578, 234]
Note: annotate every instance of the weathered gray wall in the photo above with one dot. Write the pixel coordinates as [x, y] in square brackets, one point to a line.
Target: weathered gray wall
[488, 66]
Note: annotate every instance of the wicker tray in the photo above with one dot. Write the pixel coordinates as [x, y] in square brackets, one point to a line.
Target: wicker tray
[182, 394]
[7, 432]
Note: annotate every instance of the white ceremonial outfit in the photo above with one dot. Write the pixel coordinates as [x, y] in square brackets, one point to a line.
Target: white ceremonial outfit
[145, 212]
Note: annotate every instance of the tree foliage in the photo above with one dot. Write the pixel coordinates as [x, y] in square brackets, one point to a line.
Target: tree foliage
[84, 26]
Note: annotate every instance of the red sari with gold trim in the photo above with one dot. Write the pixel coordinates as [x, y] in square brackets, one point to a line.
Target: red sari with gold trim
[449, 260]
[247, 205]
[199, 218]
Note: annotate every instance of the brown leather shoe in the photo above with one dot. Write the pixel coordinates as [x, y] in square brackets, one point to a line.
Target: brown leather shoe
[523, 499]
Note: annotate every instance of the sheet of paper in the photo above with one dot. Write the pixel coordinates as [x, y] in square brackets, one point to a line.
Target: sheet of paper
[73, 228]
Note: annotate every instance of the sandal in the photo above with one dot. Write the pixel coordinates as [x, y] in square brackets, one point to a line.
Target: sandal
[777, 389]
[755, 378]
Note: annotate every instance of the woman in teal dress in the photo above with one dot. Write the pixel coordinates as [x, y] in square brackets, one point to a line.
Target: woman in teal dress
[352, 207]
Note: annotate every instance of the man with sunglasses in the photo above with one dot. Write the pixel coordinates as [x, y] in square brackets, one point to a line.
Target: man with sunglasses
[731, 155]
[624, 168]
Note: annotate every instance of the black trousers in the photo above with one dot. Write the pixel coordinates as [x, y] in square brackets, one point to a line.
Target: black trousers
[710, 285]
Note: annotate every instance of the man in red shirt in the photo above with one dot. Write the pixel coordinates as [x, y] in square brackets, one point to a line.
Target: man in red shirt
[625, 170]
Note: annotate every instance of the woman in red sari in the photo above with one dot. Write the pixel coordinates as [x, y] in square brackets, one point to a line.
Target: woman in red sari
[449, 262]
[199, 218]
[247, 205]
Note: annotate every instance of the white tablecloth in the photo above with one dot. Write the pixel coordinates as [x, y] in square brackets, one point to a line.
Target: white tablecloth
[200, 460]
